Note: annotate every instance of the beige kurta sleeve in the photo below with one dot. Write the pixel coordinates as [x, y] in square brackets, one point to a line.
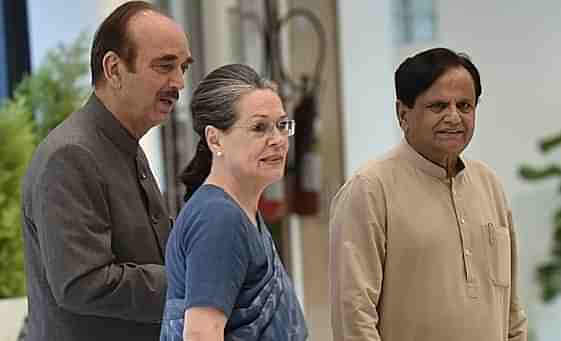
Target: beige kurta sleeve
[518, 323]
[357, 253]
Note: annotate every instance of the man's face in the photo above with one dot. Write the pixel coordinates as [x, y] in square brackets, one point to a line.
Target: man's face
[440, 124]
[150, 88]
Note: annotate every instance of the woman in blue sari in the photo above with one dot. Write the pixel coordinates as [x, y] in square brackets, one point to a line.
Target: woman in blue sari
[225, 278]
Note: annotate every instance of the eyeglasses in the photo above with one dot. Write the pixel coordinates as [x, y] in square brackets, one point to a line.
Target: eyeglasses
[266, 128]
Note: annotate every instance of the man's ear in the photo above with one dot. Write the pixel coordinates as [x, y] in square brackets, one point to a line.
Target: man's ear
[401, 111]
[213, 138]
[111, 71]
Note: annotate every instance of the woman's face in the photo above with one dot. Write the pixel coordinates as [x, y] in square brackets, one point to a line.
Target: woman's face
[256, 146]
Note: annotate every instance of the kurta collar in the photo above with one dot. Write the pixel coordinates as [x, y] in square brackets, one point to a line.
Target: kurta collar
[425, 165]
[110, 126]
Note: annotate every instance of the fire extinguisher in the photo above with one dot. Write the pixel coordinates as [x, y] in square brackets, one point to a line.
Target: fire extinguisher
[307, 161]
[299, 192]
[272, 204]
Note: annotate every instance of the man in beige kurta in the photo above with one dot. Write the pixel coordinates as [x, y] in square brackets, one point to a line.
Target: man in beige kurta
[422, 241]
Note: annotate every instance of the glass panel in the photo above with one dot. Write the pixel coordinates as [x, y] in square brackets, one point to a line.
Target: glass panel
[415, 21]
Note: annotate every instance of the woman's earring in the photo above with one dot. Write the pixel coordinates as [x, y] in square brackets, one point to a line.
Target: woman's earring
[219, 153]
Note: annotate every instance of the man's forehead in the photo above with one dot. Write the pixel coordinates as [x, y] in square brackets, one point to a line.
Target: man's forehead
[450, 88]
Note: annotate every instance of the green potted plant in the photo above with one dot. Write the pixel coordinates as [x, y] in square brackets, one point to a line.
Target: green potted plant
[548, 273]
[58, 87]
[17, 143]
[40, 102]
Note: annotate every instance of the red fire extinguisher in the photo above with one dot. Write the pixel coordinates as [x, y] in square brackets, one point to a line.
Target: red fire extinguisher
[272, 204]
[307, 161]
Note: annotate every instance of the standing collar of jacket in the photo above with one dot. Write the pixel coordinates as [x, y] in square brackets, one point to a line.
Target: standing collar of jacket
[110, 126]
[425, 165]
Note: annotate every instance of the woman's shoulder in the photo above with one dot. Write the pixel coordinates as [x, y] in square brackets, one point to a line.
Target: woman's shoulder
[209, 197]
[210, 205]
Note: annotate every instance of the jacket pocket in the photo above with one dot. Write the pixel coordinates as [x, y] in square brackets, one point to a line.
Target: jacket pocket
[497, 240]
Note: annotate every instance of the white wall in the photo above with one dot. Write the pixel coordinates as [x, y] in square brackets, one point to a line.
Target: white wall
[57, 22]
[366, 58]
[12, 313]
[218, 36]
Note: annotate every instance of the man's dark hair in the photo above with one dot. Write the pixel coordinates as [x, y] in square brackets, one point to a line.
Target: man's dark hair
[416, 74]
[113, 35]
